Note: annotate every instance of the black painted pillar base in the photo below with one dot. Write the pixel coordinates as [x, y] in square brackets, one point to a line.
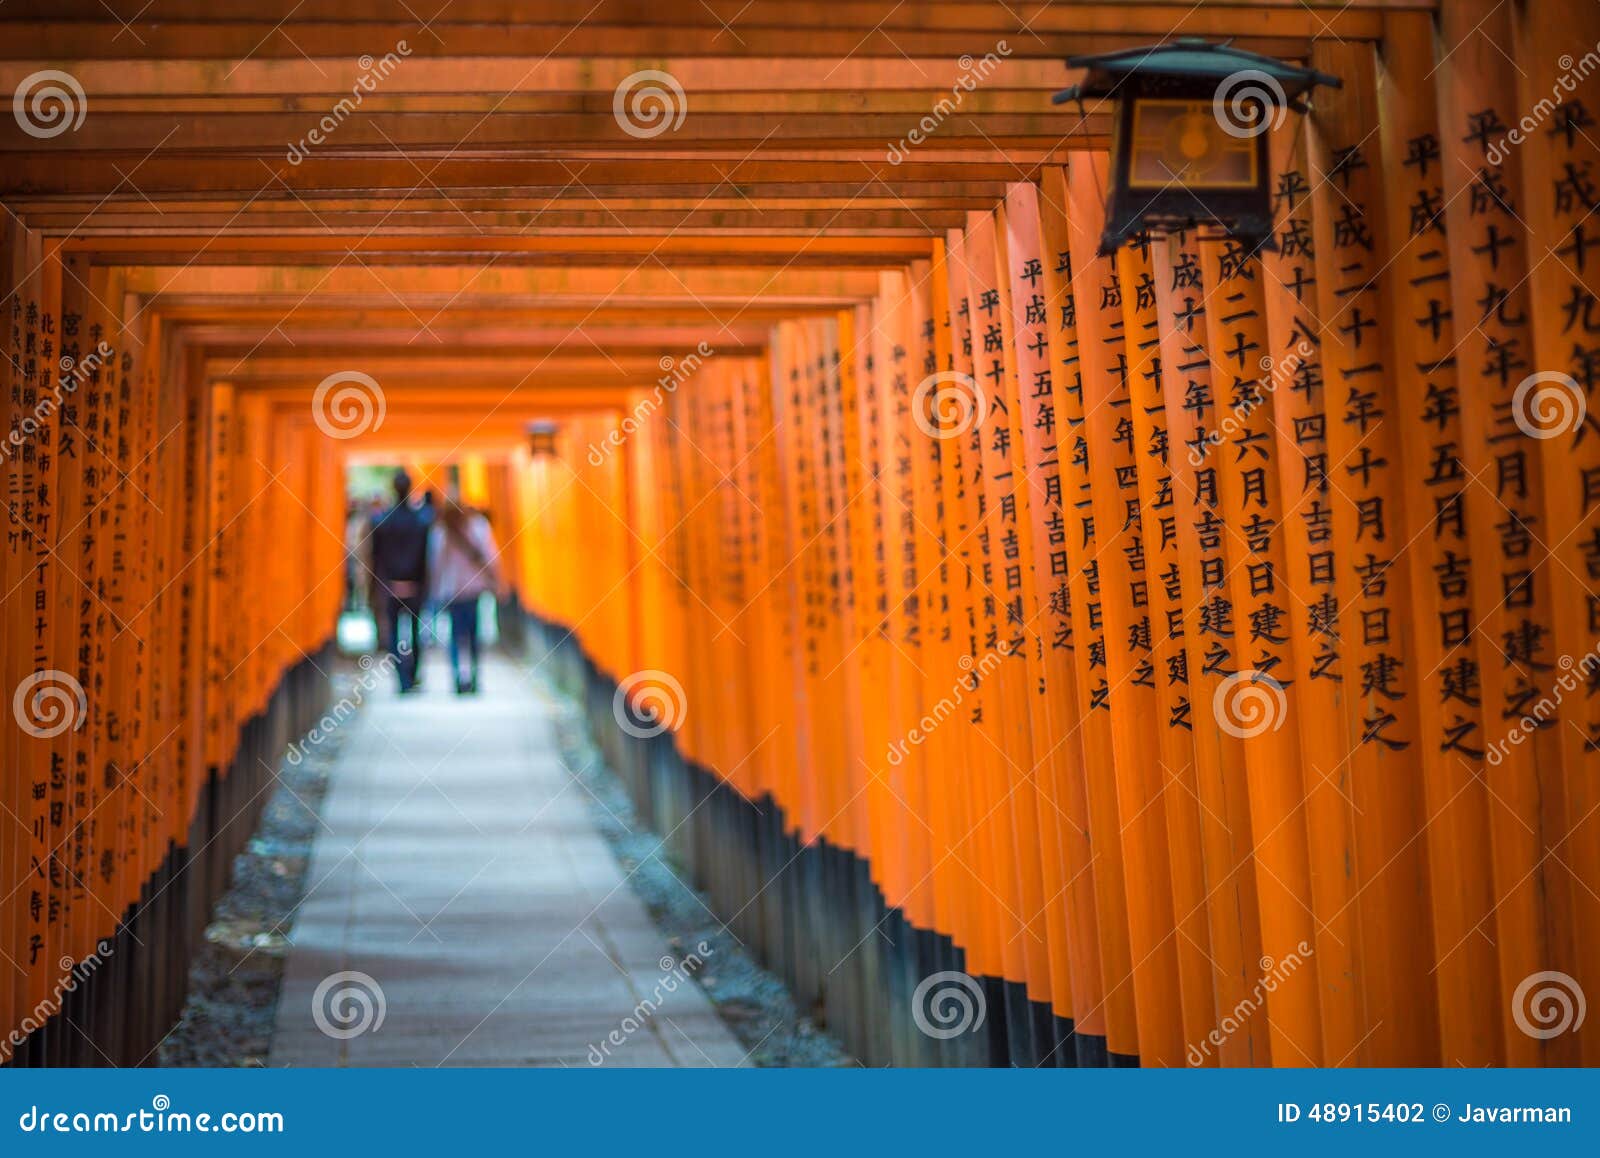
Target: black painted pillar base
[811, 912]
[127, 997]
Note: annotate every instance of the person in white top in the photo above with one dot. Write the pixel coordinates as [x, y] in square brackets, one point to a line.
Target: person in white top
[465, 562]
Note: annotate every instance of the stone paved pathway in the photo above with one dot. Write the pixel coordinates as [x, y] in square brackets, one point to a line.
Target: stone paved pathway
[458, 871]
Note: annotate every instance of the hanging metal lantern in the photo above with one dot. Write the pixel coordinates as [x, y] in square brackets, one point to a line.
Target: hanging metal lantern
[542, 439]
[1190, 142]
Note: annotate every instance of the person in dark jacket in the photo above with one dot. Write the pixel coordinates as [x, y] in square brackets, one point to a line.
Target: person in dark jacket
[400, 573]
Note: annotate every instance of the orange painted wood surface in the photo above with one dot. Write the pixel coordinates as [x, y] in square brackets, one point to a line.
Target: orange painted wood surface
[1200, 642]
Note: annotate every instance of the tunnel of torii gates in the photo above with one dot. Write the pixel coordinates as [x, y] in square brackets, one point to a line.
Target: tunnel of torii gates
[1194, 647]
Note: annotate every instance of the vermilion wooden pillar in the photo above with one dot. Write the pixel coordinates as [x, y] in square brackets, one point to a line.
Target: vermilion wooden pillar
[1218, 780]
[1511, 624]
[1385, 1008]
[1114, 1014]
[1053, 699]
[1122, 572]
[1259, 702]
[1452, 735]
[1553, 46]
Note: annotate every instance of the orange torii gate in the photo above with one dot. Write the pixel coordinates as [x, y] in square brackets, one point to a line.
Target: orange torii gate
[1254, 470]
[1177, 656]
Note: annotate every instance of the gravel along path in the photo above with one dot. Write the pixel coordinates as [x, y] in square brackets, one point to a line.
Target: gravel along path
[756, 1005]
[233, 982]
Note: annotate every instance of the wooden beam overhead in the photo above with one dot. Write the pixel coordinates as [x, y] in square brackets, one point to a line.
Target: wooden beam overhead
[467, 200]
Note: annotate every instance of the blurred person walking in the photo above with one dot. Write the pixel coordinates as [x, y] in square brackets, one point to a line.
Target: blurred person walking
[399, 566]
[465, 562]
[430, 603]
[356, 579]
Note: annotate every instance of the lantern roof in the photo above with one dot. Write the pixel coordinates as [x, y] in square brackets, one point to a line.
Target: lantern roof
[1186, 57]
